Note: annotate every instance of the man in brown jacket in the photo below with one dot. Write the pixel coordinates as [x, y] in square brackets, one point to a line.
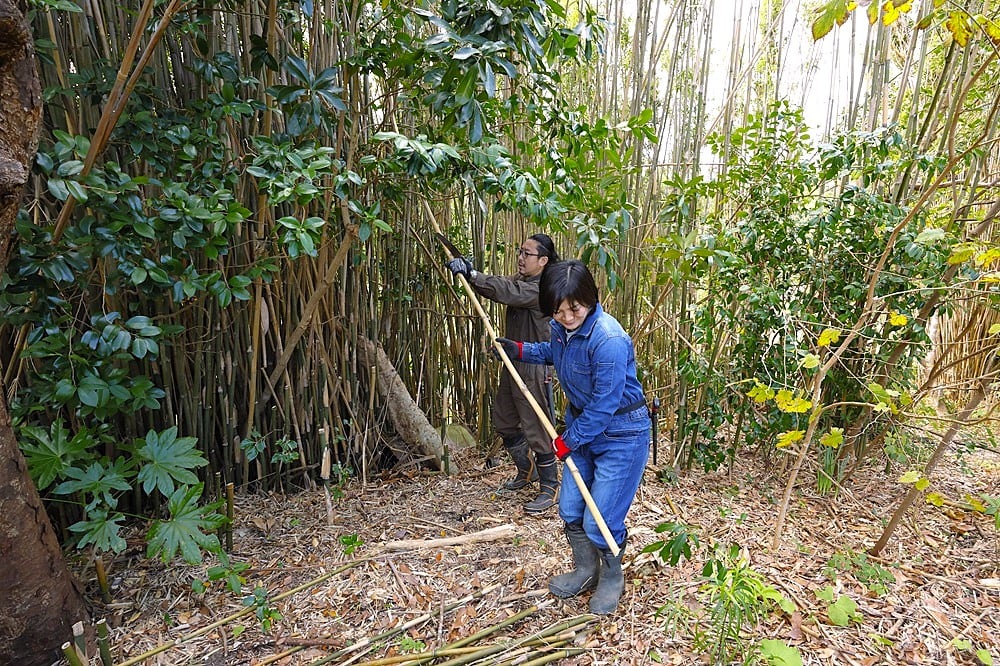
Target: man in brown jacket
[523, 434]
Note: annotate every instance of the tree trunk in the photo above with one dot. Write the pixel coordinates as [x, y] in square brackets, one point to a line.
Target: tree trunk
[39, 600]
[410, 422]
[978, 395]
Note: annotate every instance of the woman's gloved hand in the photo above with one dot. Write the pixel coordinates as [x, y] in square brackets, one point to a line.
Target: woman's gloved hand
[513, 348]
[559, 448]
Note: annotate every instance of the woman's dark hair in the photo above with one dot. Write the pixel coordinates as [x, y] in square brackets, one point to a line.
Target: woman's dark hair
[546, 247]
[568, 280]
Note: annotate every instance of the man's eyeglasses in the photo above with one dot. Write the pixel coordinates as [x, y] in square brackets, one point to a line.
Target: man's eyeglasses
[521, 252]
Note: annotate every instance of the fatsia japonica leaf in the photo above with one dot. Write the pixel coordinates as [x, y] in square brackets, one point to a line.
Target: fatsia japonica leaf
[101, 531]
[50, 453]
[168, 459]
[97, 481]
[188, 529]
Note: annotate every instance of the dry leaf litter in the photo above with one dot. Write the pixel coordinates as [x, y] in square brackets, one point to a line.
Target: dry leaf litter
[944, 561]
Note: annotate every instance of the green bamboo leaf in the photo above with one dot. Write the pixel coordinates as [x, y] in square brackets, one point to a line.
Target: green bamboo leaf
[465, 52]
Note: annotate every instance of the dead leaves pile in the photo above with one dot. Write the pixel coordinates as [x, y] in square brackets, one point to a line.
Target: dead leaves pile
[334, 583]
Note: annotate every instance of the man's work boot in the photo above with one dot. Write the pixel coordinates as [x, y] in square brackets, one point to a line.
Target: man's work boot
[610, 584]
[548, 482]
[586, 565]
[517, 447]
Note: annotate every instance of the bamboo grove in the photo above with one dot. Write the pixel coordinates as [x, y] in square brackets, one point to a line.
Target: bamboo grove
[228, 234]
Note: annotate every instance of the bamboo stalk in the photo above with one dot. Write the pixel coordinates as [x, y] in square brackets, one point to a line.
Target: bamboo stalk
[369, 642]
[979, 393]
[458, 647]
[230, 515]
[103, 644]
[71, 654]
[417, 657]
[102, 578]
[310, 309]
[490, 534]
[325, 475]
[80, 643]
[488, 631]
[112, 112]
[280, 656]
[555, 656]
[235, 616]
[490, 652]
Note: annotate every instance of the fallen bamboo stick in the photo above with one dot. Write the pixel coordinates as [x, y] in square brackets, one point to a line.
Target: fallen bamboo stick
[494, 653]
[491, 534]
[367, 643]
[524, 649]
[553, 656]
[235, 616]
[417, 657]
[482, 633]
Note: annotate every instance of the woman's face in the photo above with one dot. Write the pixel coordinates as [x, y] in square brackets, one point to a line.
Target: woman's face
[570, 314]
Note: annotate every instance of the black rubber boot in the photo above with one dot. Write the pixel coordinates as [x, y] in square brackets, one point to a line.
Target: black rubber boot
[548, 482]
[519, 452]
[586, 565]
[610, 584]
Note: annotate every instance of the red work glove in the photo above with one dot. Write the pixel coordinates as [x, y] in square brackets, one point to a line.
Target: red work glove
[560, 448]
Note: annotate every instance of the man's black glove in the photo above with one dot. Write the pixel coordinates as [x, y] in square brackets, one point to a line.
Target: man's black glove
[461, 266]
[513, 348]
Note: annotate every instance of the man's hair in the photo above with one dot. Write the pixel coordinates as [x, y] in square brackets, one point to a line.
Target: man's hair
[547, 247]
[568, 280]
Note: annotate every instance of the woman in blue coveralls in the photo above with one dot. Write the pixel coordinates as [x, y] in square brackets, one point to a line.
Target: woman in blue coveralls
[607, 426]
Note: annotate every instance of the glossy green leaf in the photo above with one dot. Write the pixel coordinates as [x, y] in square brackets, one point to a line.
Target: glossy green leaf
[189, 528]
[166, 459]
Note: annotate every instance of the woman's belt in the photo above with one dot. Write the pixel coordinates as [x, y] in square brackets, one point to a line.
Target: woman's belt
[621, 410]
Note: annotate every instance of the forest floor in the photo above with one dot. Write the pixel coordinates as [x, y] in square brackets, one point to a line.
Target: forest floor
[344, 583]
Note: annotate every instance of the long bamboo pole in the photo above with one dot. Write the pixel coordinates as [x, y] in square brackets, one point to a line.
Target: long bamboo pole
[539, 412]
